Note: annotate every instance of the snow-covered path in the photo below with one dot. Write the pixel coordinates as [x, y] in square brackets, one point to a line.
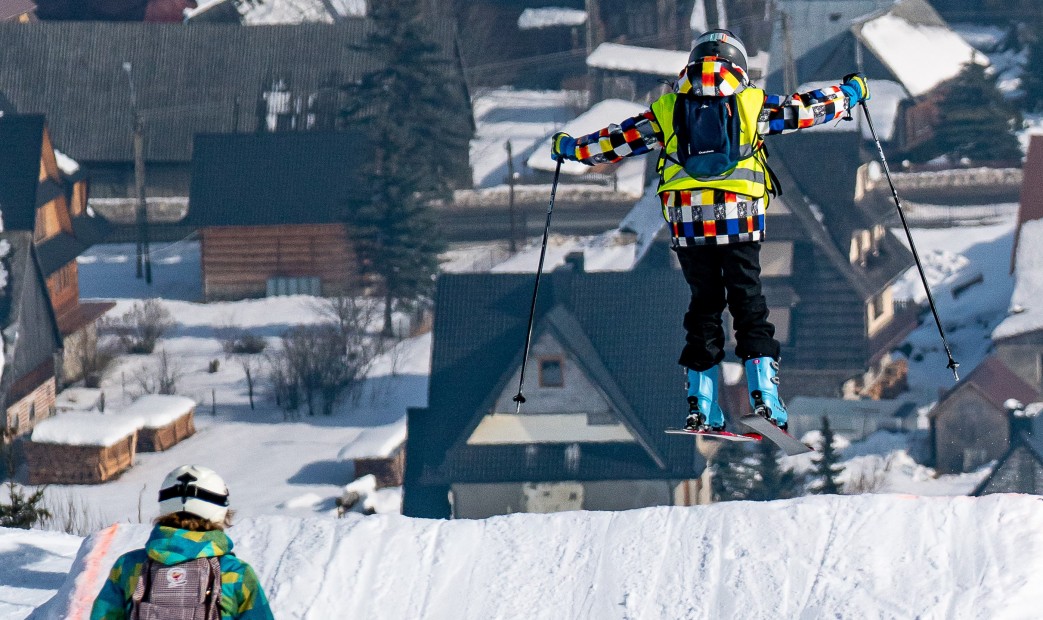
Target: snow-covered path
[869, 556]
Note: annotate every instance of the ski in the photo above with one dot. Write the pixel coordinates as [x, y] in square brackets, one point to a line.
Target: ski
[762, 426]
[727, 436]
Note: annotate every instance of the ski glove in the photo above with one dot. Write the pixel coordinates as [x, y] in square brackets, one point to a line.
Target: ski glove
[563, 145]
[856, 88]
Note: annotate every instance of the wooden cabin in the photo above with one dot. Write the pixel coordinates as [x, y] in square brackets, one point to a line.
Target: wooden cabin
[166, 421]
[272, 211]
[81, 448]
[44, 192]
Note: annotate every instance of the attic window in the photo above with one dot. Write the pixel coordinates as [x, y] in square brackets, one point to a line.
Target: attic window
[552, 372]
[835, 17]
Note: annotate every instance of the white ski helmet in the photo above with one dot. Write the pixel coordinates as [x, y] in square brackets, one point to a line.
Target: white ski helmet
[722, 44]
[196, 490]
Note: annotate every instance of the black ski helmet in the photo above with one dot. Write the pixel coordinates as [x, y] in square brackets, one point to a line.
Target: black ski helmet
[722, 44]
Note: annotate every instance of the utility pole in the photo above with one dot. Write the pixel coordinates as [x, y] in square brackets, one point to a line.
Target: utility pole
[511, 245]
[790, 71]
[143, 255]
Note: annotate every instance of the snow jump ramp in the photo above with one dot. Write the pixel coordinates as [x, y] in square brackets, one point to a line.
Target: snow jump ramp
[868, 556]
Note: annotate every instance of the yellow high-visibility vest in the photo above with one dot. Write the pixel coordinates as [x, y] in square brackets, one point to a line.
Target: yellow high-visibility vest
[750, 176]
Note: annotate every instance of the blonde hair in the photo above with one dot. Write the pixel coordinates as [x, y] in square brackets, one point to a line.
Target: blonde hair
[191, 522]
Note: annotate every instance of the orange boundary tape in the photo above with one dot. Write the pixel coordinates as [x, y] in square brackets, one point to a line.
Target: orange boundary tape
[83, 597]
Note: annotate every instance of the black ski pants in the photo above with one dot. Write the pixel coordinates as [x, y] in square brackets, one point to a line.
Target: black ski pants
[722, 275]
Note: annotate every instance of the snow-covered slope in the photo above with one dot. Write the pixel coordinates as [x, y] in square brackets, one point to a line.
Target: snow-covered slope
[869, 556]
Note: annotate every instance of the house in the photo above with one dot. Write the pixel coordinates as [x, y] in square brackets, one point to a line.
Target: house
[828, 263]
[969, 425]
[601, 385]
[116, 10]
[45, 193]
[81, 448]
[31, 342]
[1018, 339]
[199, 78]
[1020, 470]
[272, 211]
[274, 12]
[379, 452]
[853, 419]
[874, 37]
[631, 72]
[20, 11]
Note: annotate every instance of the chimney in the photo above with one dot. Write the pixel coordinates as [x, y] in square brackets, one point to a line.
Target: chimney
[1019, 417]
[574, 261]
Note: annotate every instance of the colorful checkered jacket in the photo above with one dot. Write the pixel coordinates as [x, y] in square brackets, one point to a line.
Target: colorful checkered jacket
[711, 216]
[241, 595]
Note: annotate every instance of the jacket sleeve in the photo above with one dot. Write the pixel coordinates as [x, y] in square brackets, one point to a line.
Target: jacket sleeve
[636, 135]
[786, 114]
[111, 603]
[253, 604]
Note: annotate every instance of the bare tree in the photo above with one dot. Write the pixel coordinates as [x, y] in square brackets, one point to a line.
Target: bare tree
[244, 347]
[160, 377]
[92, 356]
[327, 361]
[141, 327]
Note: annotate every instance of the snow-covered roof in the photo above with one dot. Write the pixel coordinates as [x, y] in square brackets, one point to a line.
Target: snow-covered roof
[920, 55]
[377, 441]
[86, 429]
[547, 17]
[77, 399]
[602, 114]
[887, 97]
[633, 59]
[274, 12]
[158, 410]
[1026, 304]
[66, 164]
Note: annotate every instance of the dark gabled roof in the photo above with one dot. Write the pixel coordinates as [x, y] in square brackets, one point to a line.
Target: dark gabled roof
[189, 78]
[820, 38]
[30, 329]
[1025, 444]
[21, 145]
[275, 178]
[629, 337]
[818, 171]
[996, 382]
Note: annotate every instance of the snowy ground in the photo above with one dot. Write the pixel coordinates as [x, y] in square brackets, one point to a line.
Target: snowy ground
[868, 556]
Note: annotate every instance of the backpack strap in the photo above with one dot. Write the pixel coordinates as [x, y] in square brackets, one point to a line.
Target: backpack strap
[141, 588]
[213, 593]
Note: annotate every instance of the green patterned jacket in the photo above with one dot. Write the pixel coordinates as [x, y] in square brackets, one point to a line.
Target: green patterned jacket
[241, 595]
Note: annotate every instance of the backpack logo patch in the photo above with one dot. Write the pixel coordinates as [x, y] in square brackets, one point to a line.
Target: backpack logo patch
[177, 577]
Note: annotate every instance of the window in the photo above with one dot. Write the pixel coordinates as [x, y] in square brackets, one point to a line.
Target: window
[32, 414]
[304, 285]
[552, 372]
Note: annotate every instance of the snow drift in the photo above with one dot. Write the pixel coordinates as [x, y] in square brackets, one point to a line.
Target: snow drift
[869, 556]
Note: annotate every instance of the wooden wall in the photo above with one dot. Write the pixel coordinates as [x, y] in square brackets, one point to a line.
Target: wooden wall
[63, 288]
[237, 261]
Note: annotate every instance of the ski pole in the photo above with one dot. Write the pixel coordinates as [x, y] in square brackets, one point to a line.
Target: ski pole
[518, 398]
[953, 364]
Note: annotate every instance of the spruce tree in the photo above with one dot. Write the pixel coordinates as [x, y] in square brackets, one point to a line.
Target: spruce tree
[1032, 76]
[772, 482]
[975, 121]
[826, 465]
[21, 510]
[733, 472]
[419, 151]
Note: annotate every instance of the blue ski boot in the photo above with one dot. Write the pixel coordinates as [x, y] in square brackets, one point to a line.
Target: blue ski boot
[762, 378]
[703, 412]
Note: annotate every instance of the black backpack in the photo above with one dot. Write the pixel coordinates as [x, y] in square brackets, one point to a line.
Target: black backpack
[708, 134]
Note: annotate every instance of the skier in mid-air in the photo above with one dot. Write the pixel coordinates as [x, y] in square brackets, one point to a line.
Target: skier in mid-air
[714, 185]
[187, 568]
